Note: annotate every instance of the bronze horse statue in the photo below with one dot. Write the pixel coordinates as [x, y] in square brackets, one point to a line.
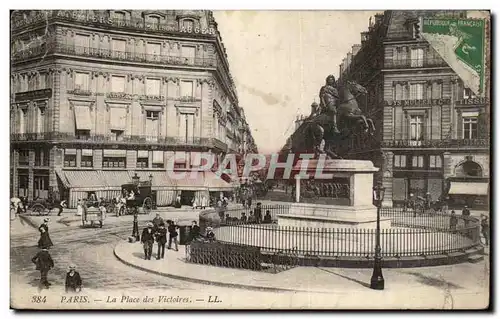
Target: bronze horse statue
[317, 135]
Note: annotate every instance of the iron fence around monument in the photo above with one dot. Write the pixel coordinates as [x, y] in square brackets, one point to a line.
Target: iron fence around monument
[412, 234]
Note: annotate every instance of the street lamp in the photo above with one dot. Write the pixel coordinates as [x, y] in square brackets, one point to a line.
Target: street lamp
[151, 178]
[135, 228]
[377, 280]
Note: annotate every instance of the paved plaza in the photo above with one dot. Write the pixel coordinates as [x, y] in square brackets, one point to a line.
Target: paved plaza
[107, 262]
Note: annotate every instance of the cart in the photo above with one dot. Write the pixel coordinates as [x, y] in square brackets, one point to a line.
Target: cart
[143, 197]
[40, 207]
[93, 216]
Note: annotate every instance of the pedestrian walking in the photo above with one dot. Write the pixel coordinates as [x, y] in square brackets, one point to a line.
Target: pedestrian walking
[79, 208]
[485, 229]
[453, 221]
[194, 233]
[44, 240]
[44, 263]
[147, 240]
[73, 280]
[161, 239]
[61, 206]
[204, 203]
[172, 235]
[466, 215]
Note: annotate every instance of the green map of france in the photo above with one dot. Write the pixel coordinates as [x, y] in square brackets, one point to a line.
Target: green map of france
[460, 42]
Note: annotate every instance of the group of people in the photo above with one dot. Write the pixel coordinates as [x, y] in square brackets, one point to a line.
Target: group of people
[485, 224]
[44, 262]
[156, 231]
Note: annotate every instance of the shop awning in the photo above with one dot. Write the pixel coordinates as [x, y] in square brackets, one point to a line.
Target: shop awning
[468, 188]
[215, 183]
[83, 118]
[160, 179]
[93, 180]
[83, 180]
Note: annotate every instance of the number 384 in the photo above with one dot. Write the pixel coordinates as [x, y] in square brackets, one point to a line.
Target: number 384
[39, 299]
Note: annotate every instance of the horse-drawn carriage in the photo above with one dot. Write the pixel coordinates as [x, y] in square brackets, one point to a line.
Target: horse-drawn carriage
[137, 195]
[40, 206]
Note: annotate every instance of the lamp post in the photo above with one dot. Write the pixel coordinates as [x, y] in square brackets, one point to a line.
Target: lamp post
[135, 228]
[377, 280]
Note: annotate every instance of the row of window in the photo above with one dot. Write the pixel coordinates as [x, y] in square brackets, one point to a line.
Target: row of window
[420, 91]
[418, 161]
[83, 42]
[41, 158]
[118, 85]
[469, 126]
[82, 82]
[143, 160]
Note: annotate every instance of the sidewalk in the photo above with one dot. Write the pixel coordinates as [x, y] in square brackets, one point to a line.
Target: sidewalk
[466, 282]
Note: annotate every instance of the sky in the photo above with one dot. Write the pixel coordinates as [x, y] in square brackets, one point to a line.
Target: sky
[280, 59]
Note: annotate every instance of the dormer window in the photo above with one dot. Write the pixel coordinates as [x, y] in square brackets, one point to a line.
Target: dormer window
[153, 21]
[187, 25]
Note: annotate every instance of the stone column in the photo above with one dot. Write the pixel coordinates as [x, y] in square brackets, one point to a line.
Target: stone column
[297, 188]
[30, 174]
[447, 169]
[15, 175]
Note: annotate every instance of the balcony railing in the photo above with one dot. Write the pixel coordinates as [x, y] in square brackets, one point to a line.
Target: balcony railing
[415, 63]
[112, 55]
[124, 139]
[450, 143]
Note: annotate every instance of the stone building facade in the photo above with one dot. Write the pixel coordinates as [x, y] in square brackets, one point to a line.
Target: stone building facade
[106, 94]
[434, 133]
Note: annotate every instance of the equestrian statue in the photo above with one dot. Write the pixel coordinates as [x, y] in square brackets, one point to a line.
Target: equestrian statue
[336, 119]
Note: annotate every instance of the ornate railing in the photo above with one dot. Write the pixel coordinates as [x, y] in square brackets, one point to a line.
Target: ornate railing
[415, 63]
[413, 234]
[112, 139]
[449, 143]
[112, 55]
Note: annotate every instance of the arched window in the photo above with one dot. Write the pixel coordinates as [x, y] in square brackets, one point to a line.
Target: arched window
[469, 169]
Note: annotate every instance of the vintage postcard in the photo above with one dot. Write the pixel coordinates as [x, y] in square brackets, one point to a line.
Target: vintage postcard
[195, 159]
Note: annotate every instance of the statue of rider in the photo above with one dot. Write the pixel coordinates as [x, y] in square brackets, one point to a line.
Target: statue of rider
[329, 100]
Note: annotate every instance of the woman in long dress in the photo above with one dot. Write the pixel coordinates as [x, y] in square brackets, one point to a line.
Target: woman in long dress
[44, 240]
[79, 208]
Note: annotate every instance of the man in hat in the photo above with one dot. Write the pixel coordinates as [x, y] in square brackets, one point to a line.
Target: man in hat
[44, 240]
[466, 215]
[44, 263]
[161, 239]
[61, 206]
[172, 234]
[73, 280]
[147, 240]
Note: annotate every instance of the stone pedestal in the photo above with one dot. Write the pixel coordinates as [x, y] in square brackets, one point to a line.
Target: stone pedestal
[356, 211]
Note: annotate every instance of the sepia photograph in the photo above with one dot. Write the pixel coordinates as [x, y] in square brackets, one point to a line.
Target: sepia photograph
[210, 159]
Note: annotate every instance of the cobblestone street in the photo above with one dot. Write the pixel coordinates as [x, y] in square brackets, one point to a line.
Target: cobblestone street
[91, 250]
